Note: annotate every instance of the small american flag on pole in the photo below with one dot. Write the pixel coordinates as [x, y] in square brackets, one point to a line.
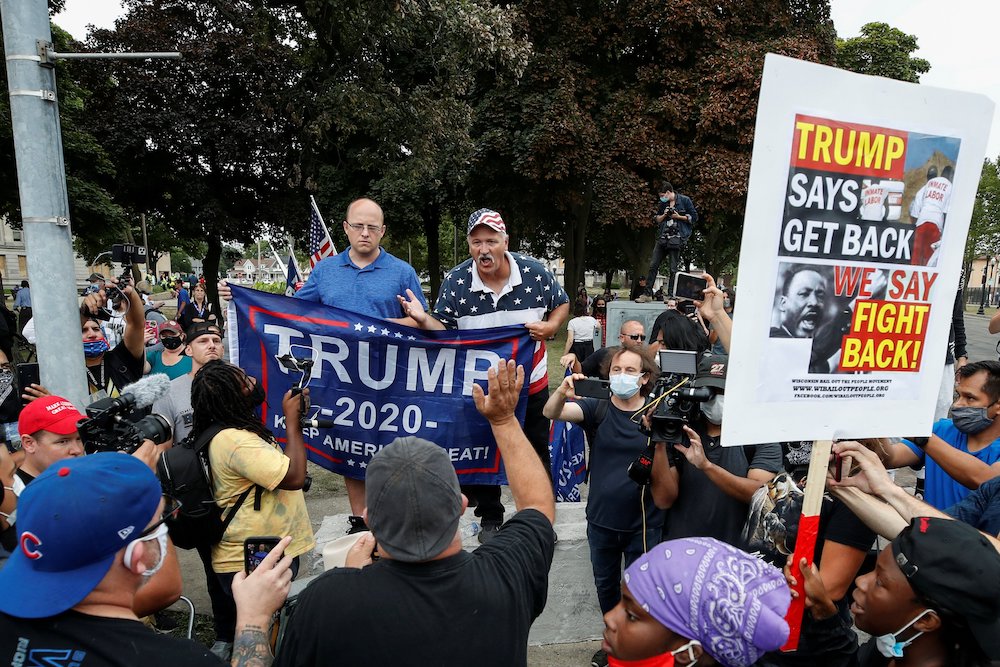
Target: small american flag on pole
[320, 243]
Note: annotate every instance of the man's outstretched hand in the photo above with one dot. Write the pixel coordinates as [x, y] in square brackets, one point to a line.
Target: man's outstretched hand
[504, 385]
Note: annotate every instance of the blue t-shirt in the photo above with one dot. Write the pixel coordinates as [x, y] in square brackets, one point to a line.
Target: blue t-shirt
[372, 290]
[940, 489]
[981, 508]
[182, 298]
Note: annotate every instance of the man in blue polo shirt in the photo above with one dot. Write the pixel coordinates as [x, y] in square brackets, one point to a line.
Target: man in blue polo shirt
[964, 452]
[363, 279]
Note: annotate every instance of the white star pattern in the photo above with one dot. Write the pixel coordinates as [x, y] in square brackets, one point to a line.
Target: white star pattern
[453, 293]
[517, 302]
[538, 278]
[527, 269]
[385, 332]
[363, 464]
[482, 297]
[474, 309]
[462, 301]
[371, 329]
[357, 327]
[460, 281]
[447, 309]
[350, 462]
[399, 335]
[411, 338]
[528, 290]
[538, 298]
[546, 288]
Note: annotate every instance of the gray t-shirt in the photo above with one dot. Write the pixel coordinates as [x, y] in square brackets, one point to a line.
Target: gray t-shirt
[175, 406]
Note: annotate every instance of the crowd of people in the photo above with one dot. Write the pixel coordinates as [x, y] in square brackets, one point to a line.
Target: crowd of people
[689, 541]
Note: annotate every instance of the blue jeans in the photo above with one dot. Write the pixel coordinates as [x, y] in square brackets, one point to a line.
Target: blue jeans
[607, 549]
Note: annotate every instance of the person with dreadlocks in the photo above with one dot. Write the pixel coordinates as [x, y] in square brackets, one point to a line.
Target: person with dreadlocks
[244, 456]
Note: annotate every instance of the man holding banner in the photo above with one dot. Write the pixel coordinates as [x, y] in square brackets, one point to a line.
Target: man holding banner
[364, 279]
[495, 288]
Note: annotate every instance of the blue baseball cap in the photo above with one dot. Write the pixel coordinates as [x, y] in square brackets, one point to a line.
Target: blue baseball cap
[71, 521]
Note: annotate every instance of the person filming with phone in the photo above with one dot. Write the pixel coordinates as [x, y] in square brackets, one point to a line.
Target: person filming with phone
[624, 518]
[675, 218]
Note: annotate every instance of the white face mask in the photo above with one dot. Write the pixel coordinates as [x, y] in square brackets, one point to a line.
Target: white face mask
[889, 647]
[624, 385]
[689, 649]
[17, 486]
[160, 535]
[712, 409]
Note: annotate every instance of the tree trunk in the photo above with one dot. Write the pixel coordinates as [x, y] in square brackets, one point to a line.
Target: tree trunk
[431, 218]
[576, 236]
[210, 265]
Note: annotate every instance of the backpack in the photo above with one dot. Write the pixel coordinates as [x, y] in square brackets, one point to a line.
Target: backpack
[185, 474]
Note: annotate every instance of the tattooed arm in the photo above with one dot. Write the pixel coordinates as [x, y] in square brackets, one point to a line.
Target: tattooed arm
[258, 596]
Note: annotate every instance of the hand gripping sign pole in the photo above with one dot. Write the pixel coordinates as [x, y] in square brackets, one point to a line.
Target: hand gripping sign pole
[41, 180]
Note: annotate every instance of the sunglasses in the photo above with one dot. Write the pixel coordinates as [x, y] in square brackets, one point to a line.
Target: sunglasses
[638, 337]
[171, 506]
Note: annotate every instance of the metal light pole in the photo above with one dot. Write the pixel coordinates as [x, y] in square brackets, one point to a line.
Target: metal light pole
[982, 295]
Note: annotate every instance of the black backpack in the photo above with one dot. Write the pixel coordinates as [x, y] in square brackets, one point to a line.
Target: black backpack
[185, 474]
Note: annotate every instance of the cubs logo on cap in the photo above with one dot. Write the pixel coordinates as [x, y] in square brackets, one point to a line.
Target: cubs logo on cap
[488, 217]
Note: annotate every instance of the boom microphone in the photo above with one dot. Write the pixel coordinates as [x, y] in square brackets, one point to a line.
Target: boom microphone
[145, 392]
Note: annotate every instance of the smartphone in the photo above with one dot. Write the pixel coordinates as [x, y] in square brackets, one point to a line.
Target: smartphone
[27, 374]
[255, 549]
[689, 286]
[592, 388]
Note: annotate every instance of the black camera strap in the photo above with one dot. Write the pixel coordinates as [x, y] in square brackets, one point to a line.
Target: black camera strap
[239, 502]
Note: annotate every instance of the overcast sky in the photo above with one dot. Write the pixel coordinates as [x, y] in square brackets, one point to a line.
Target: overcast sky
[957, 37]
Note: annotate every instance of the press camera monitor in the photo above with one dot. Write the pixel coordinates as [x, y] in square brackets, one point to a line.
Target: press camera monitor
[678, 361]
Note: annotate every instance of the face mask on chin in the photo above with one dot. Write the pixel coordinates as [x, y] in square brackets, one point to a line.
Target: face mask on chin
[890, 647]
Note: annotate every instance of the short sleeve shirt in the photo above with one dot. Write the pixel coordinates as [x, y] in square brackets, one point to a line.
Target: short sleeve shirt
[940, 489]
[240, 459]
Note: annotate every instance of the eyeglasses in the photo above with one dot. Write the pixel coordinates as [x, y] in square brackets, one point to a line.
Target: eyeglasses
[371, 229]
[171, 506]
[638, 337]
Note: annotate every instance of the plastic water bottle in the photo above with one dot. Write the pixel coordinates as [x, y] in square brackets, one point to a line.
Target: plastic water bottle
[471, 529]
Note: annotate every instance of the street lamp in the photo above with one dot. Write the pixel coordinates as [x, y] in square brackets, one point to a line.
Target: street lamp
[987, 265]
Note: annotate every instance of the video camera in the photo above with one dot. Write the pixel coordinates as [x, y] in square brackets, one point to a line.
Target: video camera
[303, 366]
[126, 254]
[107, 427]
[676, 406]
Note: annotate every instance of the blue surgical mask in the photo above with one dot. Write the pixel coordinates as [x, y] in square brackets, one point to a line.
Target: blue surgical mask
[664, 199]
[890, 647]
[624, 385]
[970, 420]
[95, 348]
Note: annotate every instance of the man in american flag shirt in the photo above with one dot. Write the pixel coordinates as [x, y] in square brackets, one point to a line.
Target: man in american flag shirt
[494, 288]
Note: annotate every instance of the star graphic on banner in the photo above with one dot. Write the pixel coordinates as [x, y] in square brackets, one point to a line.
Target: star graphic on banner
[399, 335]
[538, 278]
[363, 464]
[350, 462]
[528, 290]
[538, 298]
[517, 302]
[475, 309]
[385, 332]
[357, 327]
[460, 281]
[411, 338]
[461, 301]
[371, 329]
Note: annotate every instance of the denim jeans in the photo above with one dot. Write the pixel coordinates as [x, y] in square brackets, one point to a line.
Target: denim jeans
[659, 252]
[608, 548]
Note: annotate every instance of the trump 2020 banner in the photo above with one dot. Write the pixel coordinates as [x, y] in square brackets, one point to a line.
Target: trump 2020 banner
[860, 195]
[375, 380]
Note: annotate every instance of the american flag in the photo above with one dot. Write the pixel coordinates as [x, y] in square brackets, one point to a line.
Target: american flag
[320, 243]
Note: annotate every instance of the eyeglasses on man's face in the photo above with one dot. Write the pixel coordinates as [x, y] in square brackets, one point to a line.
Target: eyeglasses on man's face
[637, 337]
[371, 229]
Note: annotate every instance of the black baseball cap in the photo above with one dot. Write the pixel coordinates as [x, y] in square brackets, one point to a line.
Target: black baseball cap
[201, 329]
[712, 371]
[952, 567]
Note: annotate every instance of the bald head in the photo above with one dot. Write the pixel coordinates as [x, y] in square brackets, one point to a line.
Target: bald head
[365, 207]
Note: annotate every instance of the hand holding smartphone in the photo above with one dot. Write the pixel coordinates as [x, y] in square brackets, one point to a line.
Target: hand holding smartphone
[689, 286]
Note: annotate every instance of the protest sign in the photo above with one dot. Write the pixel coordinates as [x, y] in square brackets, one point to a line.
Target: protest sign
[860, 195]
[375, 380]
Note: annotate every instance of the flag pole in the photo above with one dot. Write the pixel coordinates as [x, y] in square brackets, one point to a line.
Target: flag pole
[322, 222]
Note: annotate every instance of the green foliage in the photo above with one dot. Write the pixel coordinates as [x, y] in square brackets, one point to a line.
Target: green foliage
[882, 50]
[984, 228]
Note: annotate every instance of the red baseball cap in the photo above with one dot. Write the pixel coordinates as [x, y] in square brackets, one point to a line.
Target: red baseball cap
[49, 413]
[170, 325]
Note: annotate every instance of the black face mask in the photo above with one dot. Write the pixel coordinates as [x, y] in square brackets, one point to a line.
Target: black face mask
[257, 395]
[171, 342]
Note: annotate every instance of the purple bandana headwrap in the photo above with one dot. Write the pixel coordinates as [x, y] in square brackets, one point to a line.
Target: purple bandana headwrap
[704, 589]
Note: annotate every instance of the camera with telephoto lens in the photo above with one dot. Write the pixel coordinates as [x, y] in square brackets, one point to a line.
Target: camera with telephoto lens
[107, 428]
[677, 407]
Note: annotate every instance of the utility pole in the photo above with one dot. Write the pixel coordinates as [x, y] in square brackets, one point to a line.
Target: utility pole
[41, 180]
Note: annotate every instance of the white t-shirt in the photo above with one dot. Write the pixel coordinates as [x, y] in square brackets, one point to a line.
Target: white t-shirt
[582, 328]
[932, 202]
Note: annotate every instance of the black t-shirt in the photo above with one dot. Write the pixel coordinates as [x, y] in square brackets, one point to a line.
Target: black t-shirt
[470, 608]
[614, 500]
[72, 638]
[120, 368]
[702, 509]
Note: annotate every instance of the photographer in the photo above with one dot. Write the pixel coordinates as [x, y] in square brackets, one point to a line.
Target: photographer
[623, 518]
[110, 368]
[714, 484]
[675, 216]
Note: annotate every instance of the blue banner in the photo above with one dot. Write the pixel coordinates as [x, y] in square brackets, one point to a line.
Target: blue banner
[567, 450]
[376, 380]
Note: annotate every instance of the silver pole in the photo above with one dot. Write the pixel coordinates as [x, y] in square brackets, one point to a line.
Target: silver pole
[41, 179]
[147, 55]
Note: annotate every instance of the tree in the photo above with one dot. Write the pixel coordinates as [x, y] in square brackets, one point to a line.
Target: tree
[984, 228]
[619, 96]
[882, 50]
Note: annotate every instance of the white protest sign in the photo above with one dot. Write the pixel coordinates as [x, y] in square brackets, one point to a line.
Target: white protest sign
[860, 195]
